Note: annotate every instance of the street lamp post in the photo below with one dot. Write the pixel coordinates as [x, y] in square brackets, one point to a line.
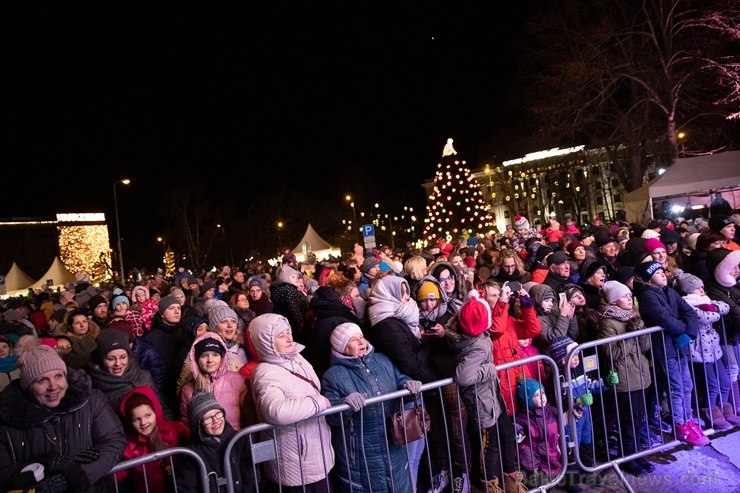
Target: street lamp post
[251, 242]
[125, 181]
[348, 198]
[280, 241]
[488, 171]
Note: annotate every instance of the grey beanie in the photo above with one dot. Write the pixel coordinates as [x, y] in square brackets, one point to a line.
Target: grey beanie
[218, 313]
[166, 302]
[689, 282]
[202, 402]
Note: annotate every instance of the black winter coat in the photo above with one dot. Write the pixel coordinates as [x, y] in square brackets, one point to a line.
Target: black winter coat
[211, 450]
[326, 312]
[84, 419]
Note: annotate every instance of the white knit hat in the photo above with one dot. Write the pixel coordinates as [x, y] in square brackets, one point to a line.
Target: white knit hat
[341, 335]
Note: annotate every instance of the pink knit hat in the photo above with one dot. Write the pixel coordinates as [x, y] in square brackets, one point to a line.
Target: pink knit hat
[652, 244]
[35, 360]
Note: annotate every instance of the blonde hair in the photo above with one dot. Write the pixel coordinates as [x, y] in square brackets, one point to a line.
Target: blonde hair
[415, 267]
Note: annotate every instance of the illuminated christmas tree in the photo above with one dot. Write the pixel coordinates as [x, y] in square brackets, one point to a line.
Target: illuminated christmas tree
[457, 206]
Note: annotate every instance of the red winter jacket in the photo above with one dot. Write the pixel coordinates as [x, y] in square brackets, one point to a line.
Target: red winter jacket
[172, 433]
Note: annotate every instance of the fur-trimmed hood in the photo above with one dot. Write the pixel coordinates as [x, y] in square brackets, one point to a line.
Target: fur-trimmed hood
[720, 263]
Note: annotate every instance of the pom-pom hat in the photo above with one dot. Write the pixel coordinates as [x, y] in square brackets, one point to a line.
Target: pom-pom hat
[34, 360]
[475, 315]
[521, 222]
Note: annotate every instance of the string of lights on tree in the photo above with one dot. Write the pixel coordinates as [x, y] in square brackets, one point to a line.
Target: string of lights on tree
[86, 249]
[457, 206]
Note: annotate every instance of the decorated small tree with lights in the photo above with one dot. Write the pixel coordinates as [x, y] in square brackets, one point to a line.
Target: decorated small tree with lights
[169, 263]
[457, 206]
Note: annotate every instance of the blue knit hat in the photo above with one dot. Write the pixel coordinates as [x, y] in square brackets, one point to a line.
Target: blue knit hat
[526, 389]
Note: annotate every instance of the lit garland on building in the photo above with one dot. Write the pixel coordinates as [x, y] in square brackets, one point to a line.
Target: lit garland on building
[457, 206]
[86, 249]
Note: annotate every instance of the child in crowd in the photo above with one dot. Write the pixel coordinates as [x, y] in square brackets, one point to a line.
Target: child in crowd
[661, 305]
[712, 376]
[627, 359]
[539, 450]
[210, 433]
[477, 378]
[147, 432]
[8, 362]
[210, 367]
[536, 368]
[582, 389]
[514, 318]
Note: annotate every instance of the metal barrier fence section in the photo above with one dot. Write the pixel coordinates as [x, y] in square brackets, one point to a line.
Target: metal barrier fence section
[135, 474]
[559, 426]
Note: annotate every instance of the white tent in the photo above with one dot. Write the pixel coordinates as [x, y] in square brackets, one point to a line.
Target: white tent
[58, 274]
[693, 178]
[17, 280]
[313, 243]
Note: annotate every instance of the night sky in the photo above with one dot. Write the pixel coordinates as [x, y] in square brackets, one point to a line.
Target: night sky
[168, 95]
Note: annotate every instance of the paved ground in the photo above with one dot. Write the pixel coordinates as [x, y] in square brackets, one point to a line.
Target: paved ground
[682, 469]
[711, 469]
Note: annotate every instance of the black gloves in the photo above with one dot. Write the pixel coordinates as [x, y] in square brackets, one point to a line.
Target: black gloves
[53, 484]
[82, 456]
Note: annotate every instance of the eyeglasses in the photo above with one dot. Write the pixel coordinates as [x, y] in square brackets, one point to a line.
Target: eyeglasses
[447, 279]
[210, 419]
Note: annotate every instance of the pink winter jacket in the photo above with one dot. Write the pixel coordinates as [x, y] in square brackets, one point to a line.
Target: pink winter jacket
[229, 387]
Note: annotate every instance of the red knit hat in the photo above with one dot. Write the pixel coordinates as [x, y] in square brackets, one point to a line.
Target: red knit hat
[475, 314]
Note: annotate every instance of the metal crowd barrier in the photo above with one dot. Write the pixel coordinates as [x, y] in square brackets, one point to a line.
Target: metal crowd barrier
[647, 439]
[596, 362]
[152, 460]
[264, 450]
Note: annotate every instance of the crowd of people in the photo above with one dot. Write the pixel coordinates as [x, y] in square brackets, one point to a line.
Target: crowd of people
[99, 373]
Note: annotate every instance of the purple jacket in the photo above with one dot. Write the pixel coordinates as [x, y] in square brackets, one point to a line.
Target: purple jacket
[539, 451]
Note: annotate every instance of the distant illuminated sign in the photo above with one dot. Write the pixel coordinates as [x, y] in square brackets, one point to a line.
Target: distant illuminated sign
[534, 156]
[81, 218]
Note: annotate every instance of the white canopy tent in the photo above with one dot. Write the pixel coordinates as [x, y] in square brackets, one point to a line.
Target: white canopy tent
[58, 274]
[17, 281]
[313, 243]
[693, 179]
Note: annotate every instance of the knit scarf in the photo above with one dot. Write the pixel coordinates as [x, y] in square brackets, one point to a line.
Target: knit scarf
[385, 302]
[613, 311]
[8, 364]
[258, 306]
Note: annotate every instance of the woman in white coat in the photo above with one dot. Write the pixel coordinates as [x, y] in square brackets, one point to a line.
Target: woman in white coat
[287, 391]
